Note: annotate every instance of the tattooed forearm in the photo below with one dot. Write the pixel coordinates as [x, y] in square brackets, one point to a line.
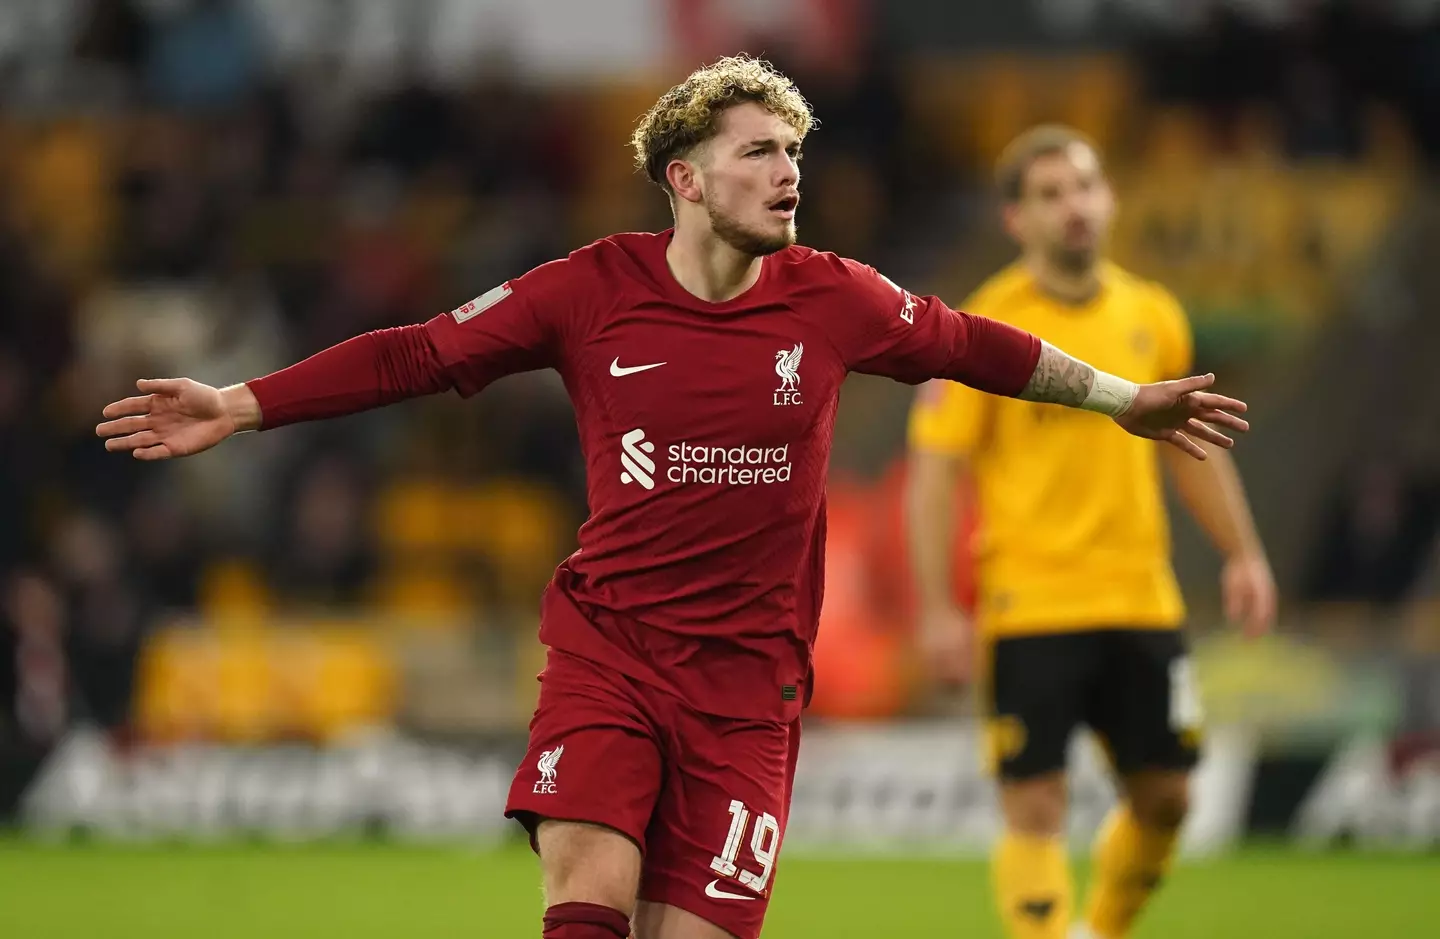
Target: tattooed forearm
[1059, 379]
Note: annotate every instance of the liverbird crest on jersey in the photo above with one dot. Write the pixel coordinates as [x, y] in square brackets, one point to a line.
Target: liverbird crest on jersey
[787, 366]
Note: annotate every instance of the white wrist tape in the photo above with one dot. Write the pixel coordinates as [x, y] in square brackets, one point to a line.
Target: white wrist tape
[1110, 395]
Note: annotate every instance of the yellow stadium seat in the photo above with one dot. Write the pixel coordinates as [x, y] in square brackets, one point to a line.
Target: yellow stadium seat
[610, 111]
[1176, 139]
[423, 593]
[1158, 224]
[529, 661]
[355, 685]
[414, 516]
[64, 187]
[1098, 92]
[233, 592]
[1350, 209]
[1003, 104]
[177, 685]
[975, 107]
[518, 526]
[298, 682]
[247, 710]
[292, 654]
[1244, 230]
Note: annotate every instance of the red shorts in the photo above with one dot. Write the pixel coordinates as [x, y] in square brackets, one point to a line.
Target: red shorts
[705, 798]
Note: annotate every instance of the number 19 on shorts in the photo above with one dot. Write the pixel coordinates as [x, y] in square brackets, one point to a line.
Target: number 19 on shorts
[764, 842]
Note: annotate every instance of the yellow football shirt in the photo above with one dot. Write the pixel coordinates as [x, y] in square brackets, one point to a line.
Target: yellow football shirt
[1073, 532]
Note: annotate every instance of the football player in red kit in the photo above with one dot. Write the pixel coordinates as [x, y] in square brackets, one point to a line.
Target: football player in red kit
[704, 364]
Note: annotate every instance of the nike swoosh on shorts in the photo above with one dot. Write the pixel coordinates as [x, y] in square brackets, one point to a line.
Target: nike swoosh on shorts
[712, 889]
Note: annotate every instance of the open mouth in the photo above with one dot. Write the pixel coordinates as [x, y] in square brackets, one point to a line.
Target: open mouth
[785, 208]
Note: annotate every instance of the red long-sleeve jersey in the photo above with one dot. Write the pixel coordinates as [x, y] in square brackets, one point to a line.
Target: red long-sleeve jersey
[706, 430]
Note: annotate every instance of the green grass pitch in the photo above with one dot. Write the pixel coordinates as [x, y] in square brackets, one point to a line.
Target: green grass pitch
[371, 891]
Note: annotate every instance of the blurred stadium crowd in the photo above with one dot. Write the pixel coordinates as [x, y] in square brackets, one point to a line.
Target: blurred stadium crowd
[176, 200]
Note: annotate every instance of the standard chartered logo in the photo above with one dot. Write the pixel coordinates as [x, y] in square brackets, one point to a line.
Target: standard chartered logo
[634, 456]
[728, 466]
[698, 463]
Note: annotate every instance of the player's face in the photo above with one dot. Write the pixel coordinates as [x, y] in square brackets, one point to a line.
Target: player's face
[750, 178]
[1066, 208]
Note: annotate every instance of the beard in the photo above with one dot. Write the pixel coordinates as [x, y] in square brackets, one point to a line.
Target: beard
[1074, 260]
[748, 240]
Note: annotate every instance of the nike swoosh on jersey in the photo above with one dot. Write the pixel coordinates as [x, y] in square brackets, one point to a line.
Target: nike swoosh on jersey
[619, 370]
[712, 889]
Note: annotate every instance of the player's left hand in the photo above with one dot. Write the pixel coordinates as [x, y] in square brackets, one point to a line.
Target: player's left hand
[1176, 411]
[1247, 588]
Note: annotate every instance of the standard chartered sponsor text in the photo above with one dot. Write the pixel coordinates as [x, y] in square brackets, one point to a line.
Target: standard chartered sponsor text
[728, 466]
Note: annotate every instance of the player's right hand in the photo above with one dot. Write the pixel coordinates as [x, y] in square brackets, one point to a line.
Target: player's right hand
[947, 642]
[174, 417]
[1176, 411]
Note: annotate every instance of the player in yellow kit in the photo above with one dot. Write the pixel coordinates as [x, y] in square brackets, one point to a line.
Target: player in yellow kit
[1078, 614]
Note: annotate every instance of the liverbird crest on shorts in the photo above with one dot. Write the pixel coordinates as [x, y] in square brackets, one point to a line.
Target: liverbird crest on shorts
[546, 766]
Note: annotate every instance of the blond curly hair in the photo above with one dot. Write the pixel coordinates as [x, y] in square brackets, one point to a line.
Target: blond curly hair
[689, 114]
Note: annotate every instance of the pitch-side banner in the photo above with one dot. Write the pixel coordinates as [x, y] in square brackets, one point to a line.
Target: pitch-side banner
[923, 788]
[887, 788]
[1375, 794]
[382, 784]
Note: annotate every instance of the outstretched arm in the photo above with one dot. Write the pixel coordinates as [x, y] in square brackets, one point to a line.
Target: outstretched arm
[180, 417]
[1169, 411]
[1061, 379]
[915, 339]
[512, 328]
